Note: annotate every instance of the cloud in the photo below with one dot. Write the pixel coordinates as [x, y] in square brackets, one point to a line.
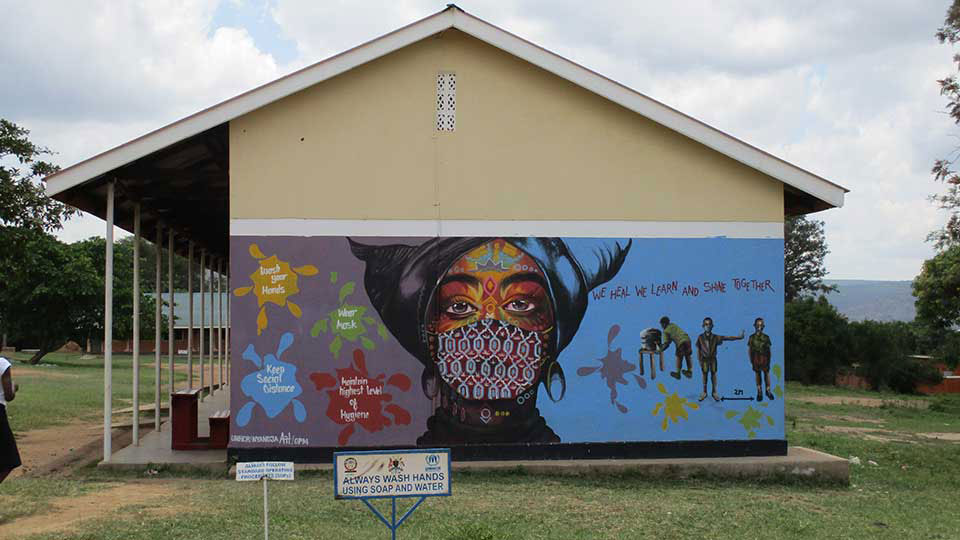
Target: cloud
[121, 66]
[846, 90]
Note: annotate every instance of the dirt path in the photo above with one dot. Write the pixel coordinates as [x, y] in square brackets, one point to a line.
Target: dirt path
[57, 448]
[68, 512]
[952, 437]
[61, 449]
[871, 434]
[865, 401]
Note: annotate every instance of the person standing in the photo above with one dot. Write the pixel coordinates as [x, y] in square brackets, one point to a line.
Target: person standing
[9, 456]
[759, 347]
[680, 339]
[707, 344]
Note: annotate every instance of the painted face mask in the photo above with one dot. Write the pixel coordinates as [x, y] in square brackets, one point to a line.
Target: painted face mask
[489, 359]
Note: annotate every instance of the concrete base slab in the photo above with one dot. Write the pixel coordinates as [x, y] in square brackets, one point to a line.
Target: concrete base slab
[799, 462]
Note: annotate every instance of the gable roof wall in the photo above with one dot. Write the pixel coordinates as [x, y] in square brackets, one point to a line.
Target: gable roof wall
[527, 146]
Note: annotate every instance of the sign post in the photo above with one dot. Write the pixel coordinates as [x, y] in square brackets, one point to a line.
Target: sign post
[392, 474]
[262, 470]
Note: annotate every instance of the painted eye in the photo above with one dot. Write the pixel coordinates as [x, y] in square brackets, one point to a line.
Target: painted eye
[461, 309]
[520, 306]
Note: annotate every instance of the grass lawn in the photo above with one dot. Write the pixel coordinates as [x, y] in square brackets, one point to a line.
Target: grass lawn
[909, 493]
[66, 388]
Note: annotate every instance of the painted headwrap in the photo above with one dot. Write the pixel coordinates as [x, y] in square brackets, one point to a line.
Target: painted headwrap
[401, 280]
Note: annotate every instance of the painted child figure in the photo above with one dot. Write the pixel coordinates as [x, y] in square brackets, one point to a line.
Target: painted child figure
[707, 344]
[680, 339]
[759, 347]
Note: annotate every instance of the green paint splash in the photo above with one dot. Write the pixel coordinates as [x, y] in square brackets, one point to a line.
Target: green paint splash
[348, 322]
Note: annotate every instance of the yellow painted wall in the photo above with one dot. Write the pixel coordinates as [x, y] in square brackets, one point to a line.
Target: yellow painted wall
[528, 145]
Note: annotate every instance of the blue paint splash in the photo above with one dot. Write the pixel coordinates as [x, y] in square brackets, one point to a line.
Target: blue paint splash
[273, 386]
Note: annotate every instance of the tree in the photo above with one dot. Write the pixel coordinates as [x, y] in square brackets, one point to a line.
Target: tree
[936, 290]
[882, 352]
[816, 341]
[937, 287]
[22, 200]
[23, 204]
[943, 169]
[49, 289]
[95, 251]
[804, 247]
[937, 293]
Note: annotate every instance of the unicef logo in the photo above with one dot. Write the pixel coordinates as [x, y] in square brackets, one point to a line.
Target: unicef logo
[433, 459]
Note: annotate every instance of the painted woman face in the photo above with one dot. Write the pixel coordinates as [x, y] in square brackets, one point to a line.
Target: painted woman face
[492, 322]
[494, 281]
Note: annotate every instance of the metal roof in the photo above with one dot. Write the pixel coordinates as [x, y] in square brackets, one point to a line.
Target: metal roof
[181, 308]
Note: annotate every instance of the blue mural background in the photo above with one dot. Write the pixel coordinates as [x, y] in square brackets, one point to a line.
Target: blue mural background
[586, 413]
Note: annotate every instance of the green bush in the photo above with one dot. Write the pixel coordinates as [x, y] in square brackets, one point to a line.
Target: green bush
[819, 342]
[882, 352]
[816, 341]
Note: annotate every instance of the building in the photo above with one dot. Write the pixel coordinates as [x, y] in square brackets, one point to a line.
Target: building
[449, 236]
[950, 383]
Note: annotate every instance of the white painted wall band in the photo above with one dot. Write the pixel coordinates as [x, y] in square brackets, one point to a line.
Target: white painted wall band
[569, 229]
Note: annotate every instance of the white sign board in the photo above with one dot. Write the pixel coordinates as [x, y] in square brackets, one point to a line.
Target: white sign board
[274, 470]
[391, 473]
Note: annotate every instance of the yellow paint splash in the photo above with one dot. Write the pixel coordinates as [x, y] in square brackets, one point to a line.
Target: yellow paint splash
[274, 281]
[674, 407]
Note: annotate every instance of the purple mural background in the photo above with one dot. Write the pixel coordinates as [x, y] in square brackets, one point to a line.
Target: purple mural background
[317, 297]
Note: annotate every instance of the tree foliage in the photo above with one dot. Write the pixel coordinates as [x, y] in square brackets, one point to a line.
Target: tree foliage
[943, 169]
[819, 343]
[22, 200]
[95, 251]
[816, 341]
[937, 290]
[25, 212]
[51, 292]
[882, 352]
[49, 289]
[148, 261]
[804, 248]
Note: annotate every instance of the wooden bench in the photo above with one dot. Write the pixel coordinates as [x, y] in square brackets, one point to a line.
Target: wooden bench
[183, 417]
[219, 429]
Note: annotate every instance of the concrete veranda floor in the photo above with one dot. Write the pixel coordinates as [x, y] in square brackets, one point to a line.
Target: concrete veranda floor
[154, 447]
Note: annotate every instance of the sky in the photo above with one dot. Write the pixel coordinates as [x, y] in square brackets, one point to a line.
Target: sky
[847, 90]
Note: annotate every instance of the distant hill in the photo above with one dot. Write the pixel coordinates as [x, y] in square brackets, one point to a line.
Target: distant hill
[876, 300]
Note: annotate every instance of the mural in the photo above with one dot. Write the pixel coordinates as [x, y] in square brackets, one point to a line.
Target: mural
[458, 341]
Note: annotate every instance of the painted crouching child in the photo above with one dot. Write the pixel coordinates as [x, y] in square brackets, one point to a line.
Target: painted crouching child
[707, 344]
[673, 334]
